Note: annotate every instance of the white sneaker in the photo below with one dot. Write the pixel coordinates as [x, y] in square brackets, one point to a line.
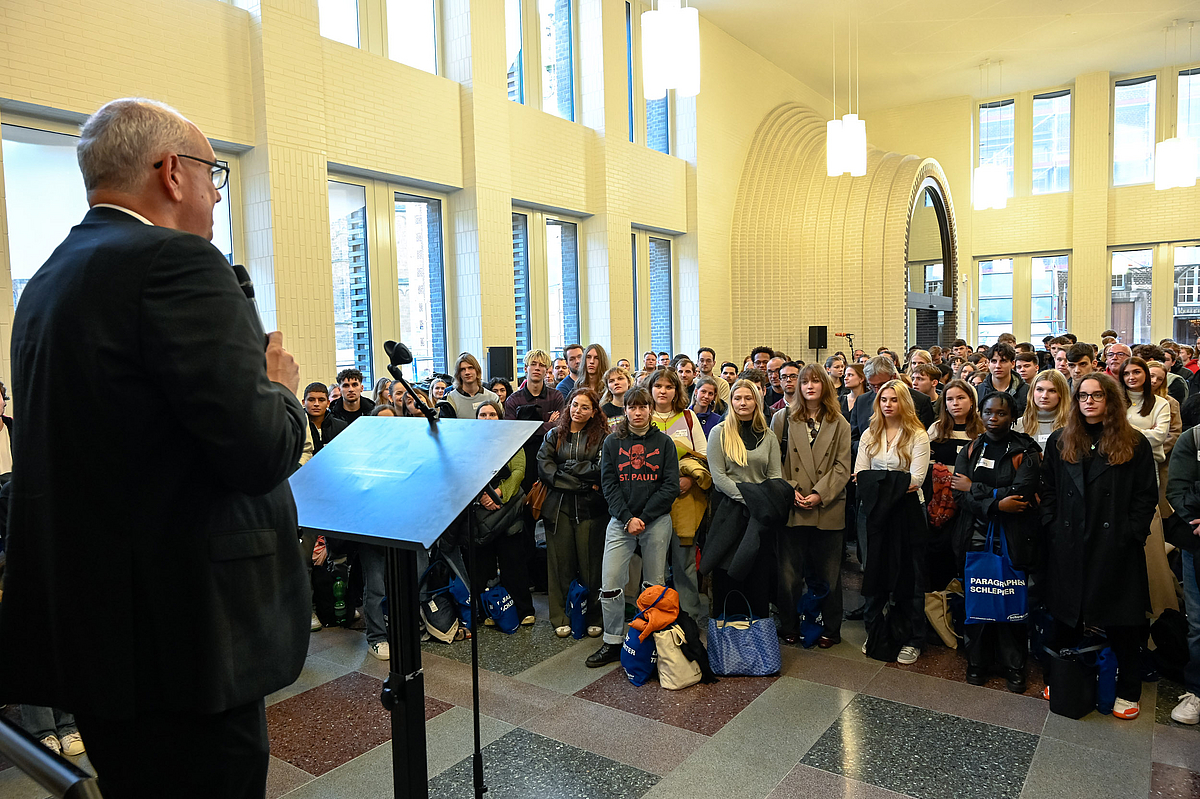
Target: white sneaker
[595, 632]
[1188, 709]
[316, 623]
[1124, 709]
[562, 632]
[864, 647]
[908, 655]
[51, 743]
[381, 651]
[72, 744]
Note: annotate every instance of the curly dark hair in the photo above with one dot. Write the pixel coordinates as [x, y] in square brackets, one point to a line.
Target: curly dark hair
[596, 427]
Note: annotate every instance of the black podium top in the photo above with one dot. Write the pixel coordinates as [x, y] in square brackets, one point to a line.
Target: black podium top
[399, 482]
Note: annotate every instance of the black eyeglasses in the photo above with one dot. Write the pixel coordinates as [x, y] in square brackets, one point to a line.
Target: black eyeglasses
[220, 169]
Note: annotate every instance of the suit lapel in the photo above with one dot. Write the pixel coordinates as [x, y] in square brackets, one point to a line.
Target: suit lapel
[1076, 472]
[799, 443]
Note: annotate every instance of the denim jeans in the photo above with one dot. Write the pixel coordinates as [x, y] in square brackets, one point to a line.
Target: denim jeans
[374, 570]
[41, 721]
[1191, 603]
[618, 550]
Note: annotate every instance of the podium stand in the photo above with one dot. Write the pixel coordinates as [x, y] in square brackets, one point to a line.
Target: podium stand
[399, 483]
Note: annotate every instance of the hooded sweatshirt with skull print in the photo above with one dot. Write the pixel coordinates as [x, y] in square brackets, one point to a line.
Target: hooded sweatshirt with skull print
[639, 475]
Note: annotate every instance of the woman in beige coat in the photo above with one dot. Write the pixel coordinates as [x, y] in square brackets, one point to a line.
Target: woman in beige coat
[815, 446]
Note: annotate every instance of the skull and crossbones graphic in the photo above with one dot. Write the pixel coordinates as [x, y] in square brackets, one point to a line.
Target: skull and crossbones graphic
[637, 458]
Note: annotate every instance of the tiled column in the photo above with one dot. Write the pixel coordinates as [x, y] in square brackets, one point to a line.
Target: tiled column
[285, 198]
[480, 216]
[1090, 283]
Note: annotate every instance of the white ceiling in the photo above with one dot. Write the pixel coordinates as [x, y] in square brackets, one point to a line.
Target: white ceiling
[913, 51]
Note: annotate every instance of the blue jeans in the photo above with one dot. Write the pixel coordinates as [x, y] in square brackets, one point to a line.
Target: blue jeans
[374, 566]
[1191, 603]
[42, 721]
[618, 551]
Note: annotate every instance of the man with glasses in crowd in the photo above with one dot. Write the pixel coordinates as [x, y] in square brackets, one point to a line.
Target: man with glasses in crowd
[1117, 353]
[774, 388]
[157, 592]
[789, 377]
[706, 360]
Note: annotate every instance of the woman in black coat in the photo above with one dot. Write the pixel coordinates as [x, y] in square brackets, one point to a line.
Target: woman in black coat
[569, 465]
[995, 481]
[1099, 493]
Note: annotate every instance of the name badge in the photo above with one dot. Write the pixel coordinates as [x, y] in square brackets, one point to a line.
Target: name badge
[1042, 439]
[987, 463]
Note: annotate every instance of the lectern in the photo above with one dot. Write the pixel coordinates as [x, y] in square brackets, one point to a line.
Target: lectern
[399, 483]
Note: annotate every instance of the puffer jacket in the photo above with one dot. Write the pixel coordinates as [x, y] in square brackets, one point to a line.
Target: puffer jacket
[571, 474]
[1016, 472]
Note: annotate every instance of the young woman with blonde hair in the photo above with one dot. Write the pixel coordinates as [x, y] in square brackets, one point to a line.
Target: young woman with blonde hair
[1049, 406]
[895, 441]
[741, 449]
[617, 381]
[815, 442]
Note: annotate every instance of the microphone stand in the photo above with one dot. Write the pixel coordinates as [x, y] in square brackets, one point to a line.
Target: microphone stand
[428, 412]
[395, 370]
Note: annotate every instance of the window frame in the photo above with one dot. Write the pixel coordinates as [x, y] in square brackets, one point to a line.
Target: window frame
[539, 274]
[373, 32]
[641, 112]
[1002, 102]
[531, 11]
[233, 189]
[1155, 115]
[1050, 95]
[1127, 285]
[382, 271]
[642, 301]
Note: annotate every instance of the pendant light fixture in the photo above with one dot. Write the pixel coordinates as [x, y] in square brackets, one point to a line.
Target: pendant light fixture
[989, 186]
[670, 50]
[846, 138]
[1175, 158]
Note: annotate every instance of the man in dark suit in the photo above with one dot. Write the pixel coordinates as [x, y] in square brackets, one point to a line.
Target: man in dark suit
[879, 370]
[157, 589]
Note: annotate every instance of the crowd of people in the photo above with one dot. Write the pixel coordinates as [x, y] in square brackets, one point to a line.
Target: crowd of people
[764, 478]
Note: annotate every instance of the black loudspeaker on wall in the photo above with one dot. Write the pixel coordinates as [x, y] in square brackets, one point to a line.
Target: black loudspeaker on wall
[500, 362]
[818, 337]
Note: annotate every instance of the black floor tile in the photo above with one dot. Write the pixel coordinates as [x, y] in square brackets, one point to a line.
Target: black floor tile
[923, 753]
[522, 765]
[506, 654]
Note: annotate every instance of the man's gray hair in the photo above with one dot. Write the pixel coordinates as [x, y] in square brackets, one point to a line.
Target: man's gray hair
[880, 365]
[120, 142]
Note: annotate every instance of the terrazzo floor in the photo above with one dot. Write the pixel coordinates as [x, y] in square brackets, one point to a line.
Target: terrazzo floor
[832, 724]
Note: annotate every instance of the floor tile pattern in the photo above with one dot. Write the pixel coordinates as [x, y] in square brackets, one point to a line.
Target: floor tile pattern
[1169, 782]
[832, 724]
[522, 764]
[310, 730]
[920, 752]
[700, 708]
[504, 653]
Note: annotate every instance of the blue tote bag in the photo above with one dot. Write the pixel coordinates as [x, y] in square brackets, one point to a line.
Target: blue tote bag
[640, 658]
[498, 606]
[577, 606]
[995, 591]
[742, 645]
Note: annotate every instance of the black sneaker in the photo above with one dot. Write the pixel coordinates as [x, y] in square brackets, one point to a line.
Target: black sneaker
[976, 676]
[607, 653]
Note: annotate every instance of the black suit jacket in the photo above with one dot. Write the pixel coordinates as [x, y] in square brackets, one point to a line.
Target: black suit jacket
[153, 561]
[864, 406]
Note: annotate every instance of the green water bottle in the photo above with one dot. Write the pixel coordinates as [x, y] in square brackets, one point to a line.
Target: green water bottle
[339, 599]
